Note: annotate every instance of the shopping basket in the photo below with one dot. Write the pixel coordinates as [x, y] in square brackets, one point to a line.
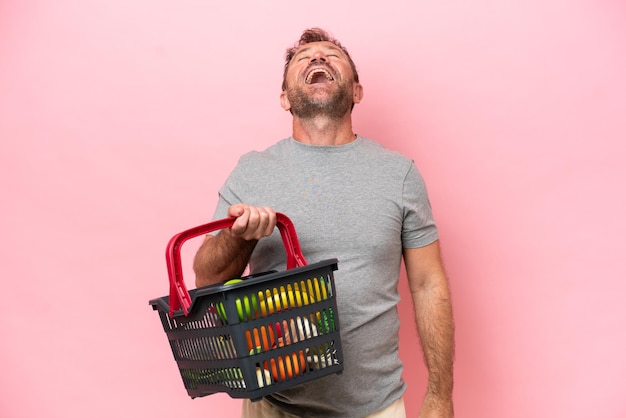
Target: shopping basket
[255, 336]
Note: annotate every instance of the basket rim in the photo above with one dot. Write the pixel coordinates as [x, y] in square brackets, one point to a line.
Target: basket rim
[222, 287]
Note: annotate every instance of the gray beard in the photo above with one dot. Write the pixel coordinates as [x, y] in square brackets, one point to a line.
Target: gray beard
[335, 107]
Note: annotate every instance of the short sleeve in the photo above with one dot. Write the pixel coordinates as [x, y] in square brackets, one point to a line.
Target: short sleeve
[418, 227]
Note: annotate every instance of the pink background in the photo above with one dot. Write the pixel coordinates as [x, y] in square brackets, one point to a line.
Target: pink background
[119, 120]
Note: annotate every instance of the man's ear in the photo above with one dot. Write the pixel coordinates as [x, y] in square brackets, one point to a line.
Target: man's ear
[357, 93]
[284, 101]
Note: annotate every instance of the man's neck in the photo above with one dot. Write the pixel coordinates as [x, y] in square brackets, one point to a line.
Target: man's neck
[323, 130]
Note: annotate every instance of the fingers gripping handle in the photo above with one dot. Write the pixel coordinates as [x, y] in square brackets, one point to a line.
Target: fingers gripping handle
[179, 296]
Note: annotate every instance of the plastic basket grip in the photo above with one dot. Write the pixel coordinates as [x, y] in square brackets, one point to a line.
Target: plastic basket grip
[179, 295]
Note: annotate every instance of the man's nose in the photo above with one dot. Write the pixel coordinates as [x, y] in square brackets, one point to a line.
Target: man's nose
[318, 56]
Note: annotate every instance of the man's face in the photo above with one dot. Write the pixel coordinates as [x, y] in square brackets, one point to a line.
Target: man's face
[320, 81]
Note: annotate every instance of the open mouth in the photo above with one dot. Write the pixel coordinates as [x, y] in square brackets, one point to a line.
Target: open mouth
[318, 75]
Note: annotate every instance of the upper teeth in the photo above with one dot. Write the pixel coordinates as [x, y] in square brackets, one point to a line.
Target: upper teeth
[309, 77]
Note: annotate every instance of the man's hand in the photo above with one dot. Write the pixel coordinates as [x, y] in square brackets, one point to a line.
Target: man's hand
[253, 222]
[226, 255]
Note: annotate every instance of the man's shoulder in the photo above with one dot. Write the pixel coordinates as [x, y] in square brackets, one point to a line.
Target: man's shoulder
[378, 150]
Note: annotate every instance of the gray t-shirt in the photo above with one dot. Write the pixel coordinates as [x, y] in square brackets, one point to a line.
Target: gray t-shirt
[361, 204]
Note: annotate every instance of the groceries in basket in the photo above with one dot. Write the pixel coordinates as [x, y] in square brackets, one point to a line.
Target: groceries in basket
[253, 336]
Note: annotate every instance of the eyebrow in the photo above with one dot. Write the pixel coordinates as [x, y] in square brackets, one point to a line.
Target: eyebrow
[327, 47]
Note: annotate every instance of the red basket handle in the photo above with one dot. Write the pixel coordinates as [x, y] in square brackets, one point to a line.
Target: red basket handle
[179, 296]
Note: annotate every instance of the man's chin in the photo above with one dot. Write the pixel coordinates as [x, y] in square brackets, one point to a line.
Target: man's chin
[316, 112]
[319, 102]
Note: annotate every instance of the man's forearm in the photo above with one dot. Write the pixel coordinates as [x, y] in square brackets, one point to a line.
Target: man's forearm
[221, 257]
[435, 323]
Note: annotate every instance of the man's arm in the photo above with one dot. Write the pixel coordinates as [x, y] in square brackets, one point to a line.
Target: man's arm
[433, 312]
[226, 255]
